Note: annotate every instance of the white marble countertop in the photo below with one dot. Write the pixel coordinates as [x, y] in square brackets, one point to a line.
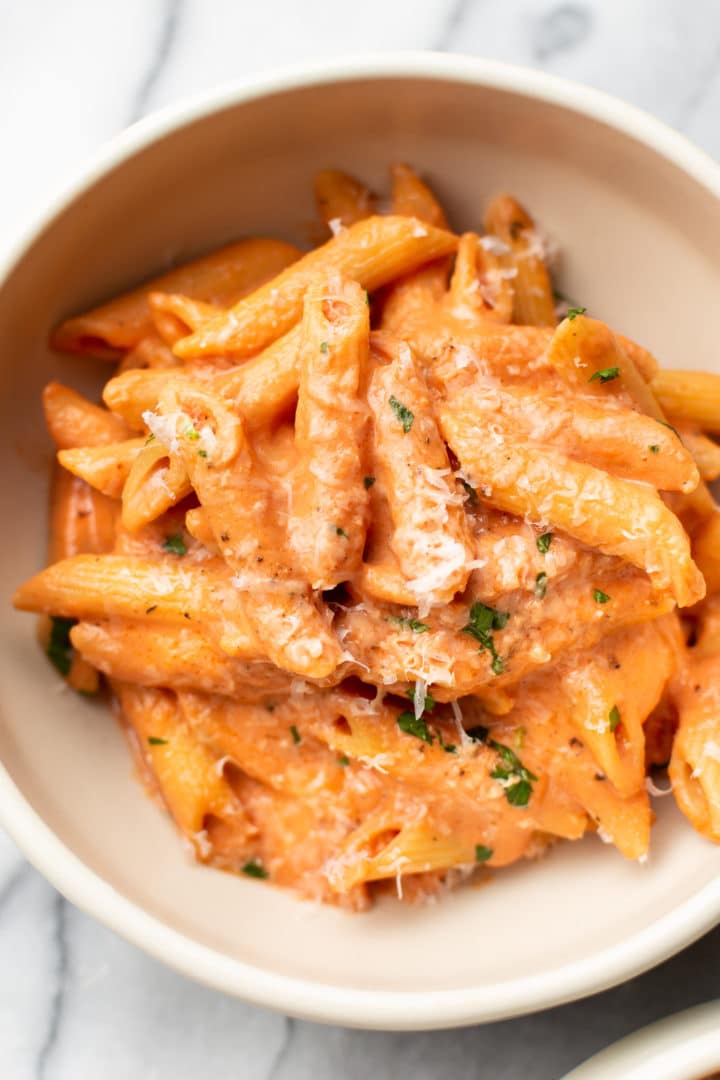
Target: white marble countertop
[76, 1002]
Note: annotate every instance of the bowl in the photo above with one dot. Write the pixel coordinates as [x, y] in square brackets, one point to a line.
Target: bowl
[681, 1047]
[635, 208]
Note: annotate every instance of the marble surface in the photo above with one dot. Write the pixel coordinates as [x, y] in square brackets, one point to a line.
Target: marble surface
[76, 1002]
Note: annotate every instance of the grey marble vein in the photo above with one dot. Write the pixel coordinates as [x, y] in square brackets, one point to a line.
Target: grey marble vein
[60, 971]
[562, 28]
[284, 1049]
[16, 879]
[171, 20]
[452, 23]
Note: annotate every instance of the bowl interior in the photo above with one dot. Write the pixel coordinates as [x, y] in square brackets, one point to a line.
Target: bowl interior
[638, 242]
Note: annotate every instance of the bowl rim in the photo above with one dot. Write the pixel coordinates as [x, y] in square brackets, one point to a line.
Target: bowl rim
[683, 1046]
[310, 999]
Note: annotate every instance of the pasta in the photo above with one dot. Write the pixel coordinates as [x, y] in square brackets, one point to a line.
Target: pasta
[395, 571]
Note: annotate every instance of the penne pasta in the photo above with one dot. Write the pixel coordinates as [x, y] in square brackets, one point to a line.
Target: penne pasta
[373, 251]
[329, 502]
[381, 566]
[221, 277]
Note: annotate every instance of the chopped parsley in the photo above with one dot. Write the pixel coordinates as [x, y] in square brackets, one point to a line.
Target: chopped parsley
[367, 298]
[541, 585]
[175, 544]
[428, 703]
[614, 717]
[470, 491]
[295, 734]
[341, 532]
[654, 448]
[149, 610]
[368, 481]
[543, 542]
[600, 597]
[59, 650]
[413, 725]
[155, 740]
[149, 439]
[483, 620]
[402, 412]
[324, 346]
[575, 311]
[515, 778]
[202, 453]
[415, 625]
[254, 868]
[192, 433]
[482, 853]
[343, 760]
[606, 374]
[520, 737]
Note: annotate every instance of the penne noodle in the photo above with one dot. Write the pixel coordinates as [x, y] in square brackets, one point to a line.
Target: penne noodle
[221, 277]
[373, 252]
[431, 538]
[329, 502]
[153, 652]
[105, 467]
[578, 499]
[73, 421]
[211, 444]
[512, 226]
[691, 396]
[705, 451]
[341, 200]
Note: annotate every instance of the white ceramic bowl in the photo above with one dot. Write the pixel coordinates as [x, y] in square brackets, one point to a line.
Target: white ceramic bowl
[681, 1047]
[636, 210]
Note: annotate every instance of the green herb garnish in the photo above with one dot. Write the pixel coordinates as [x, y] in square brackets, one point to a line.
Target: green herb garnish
[402, 412]
[59, 649]
[415, 625]
[541, 585]
[175, 544]
[254, 868]
[202, 453]
[483, 620]
[573, 312]
[614, 717]
[600, 597]
[324, 346]
[341, 532]
[606, 374]
[155, 740]
[413, 725]
[368, 481]
[516, 779]
[654, 448]
[343, 760]
[149, 610]
[295, 734]
[192, 433]
[543, 542]
[470, 490]
[428, 702]
[482, 853]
